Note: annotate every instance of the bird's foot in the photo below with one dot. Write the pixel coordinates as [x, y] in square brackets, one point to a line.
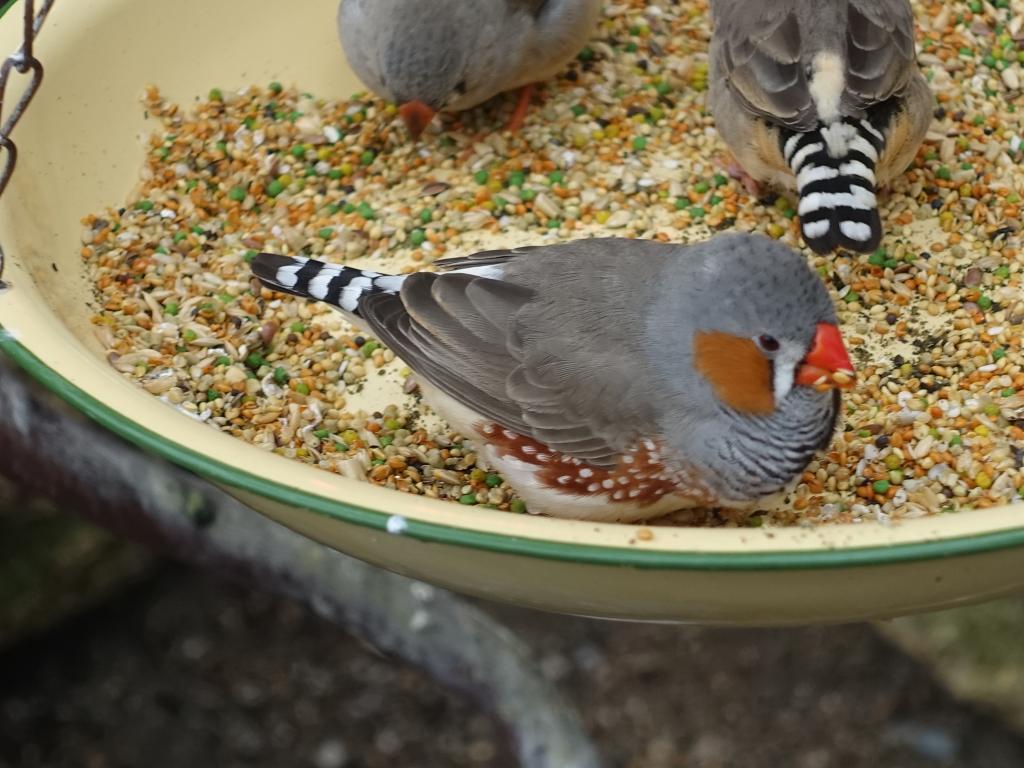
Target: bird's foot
[735, 170]
[522, 107]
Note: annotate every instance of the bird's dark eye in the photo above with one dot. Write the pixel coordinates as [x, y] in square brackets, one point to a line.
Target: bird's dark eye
[767, 343]
[460, 87]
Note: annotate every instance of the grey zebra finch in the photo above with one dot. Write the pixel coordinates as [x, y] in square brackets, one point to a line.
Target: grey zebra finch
[454, 54]
[823, 97]
[613, 379]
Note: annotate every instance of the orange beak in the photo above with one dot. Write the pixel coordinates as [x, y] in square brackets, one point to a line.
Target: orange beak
[827, 365]
[417, 116]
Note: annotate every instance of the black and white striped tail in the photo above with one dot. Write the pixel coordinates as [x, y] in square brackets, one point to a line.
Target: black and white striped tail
[835, 177]
[339, 286]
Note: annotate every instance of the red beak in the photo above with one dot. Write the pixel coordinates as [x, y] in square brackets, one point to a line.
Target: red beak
[827, 365]
[417, 116]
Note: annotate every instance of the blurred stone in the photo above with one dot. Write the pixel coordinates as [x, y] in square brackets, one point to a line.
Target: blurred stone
[976, 652]
[53, 566]
[331, 754]
[931, 742]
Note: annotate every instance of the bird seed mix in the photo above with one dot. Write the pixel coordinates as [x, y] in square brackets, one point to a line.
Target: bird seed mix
[619, 144]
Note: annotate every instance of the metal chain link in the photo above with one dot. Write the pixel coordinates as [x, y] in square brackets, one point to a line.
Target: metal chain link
[24, 62]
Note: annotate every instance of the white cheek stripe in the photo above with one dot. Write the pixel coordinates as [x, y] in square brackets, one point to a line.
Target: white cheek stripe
[785, 372]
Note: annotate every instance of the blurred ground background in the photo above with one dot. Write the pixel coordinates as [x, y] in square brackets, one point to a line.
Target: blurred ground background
[110, 658]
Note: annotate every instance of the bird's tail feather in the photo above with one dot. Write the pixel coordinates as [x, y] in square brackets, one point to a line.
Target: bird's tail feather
[835, 172]
[334, 284]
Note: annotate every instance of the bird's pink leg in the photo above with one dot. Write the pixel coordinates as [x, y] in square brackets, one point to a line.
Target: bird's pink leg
[734, 169]
[522, 107]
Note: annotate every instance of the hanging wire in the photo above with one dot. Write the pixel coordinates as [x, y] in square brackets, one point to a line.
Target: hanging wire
[24, 62]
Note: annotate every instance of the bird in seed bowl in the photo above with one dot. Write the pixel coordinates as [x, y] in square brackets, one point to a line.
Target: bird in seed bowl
[824, 97]
[450, 55]
[613, 379]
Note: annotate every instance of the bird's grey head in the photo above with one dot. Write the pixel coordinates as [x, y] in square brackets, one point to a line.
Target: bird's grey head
[425, 56]
[764, 324]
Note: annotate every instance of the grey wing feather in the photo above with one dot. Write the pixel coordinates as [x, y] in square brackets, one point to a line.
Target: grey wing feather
[757, 48]
[881, 57]
[765, 51]
[431, 358]
[494, 257]
[477, 339]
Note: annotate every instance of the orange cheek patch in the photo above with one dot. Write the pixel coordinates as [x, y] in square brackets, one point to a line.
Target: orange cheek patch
[639, 478]
[737, 370]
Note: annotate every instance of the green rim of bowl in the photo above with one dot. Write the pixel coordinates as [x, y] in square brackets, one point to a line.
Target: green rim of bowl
[225, 474]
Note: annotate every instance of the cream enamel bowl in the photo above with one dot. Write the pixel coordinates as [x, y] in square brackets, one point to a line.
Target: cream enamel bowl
[80, 150]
